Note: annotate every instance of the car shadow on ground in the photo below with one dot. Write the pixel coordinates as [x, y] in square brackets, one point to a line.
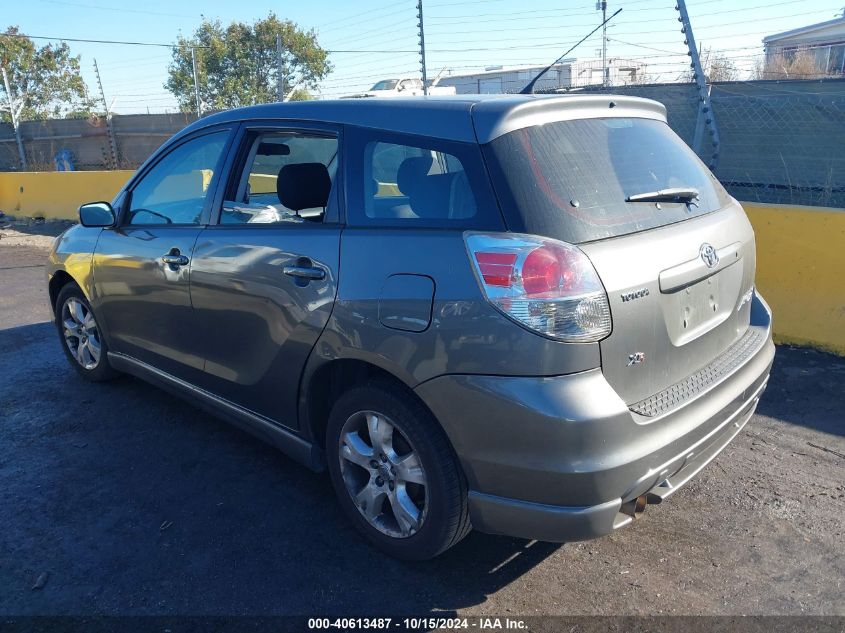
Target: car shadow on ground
[134, 502]
[806, 388]
[130, 501]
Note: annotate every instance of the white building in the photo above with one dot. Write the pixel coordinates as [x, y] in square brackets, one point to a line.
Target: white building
[826, 41]
[569, 73]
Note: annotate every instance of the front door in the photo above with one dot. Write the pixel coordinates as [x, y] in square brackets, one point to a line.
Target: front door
[142, 266]
[264, 277]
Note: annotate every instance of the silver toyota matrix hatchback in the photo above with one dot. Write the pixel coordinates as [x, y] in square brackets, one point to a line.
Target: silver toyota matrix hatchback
[526, 315]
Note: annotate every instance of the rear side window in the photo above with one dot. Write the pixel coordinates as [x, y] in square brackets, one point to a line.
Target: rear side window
[413, 181]
[570, 179]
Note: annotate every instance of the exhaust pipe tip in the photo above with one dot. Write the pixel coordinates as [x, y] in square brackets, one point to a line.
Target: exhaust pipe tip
[635, 507]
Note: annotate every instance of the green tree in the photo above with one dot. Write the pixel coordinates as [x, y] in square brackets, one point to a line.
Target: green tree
[237, 65]
[45, 82]
[299, 94]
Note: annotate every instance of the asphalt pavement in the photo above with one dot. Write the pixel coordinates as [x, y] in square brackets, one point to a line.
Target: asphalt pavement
[119, 499]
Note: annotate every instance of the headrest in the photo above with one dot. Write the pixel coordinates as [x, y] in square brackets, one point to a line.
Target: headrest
[304, 186]
[412, 172]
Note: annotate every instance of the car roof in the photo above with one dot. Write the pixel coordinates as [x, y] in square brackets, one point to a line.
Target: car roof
[466, 118]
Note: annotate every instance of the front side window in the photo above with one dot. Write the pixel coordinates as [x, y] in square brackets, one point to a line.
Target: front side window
[286, 177]
[174, 191]
[415, 183]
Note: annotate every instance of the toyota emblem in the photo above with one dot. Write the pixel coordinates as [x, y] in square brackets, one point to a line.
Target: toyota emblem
[709, 255]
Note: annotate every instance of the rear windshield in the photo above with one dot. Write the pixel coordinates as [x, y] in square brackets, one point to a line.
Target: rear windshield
[569, 179]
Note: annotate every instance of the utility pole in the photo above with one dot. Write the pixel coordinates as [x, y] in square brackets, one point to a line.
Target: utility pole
[605, 81]
[14, 114]
[280, 80]
[109, 130]
[705, 106]
[422, 45]
[196, 82]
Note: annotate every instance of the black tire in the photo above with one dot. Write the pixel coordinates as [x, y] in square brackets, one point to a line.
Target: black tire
[94, 371]
[445, 519]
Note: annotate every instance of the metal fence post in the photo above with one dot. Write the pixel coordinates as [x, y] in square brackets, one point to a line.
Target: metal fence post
[280, 62]
[14, 115]
[196, 82]
[705, 107]
[109, 130]
[421, 28]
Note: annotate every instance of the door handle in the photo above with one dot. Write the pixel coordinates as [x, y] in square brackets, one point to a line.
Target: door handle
[305, 272]
[175, 259]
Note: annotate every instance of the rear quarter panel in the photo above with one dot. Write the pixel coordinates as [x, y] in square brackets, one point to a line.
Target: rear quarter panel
[466, 335]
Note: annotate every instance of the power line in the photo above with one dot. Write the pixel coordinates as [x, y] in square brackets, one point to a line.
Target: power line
[130, 43]
[392, 51]
[86, 41]
[365, 21]
[100, 7]
[508, 16]
[387, 28]
[358, 14]
[187, 44]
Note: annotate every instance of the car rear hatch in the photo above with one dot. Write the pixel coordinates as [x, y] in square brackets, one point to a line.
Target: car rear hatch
[674, 251]
[672, 313]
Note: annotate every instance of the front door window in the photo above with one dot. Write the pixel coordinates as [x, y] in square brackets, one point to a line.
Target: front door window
[175, 189]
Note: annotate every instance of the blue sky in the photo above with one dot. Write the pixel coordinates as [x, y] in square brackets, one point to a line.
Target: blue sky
[461, 35]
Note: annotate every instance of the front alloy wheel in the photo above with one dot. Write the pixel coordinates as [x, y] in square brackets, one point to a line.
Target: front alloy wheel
[82, 340]
[82, 336]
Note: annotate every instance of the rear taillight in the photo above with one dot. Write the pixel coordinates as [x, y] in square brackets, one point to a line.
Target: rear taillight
[548, 286]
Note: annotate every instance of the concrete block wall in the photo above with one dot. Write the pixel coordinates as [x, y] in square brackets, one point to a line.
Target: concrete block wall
[137, 136]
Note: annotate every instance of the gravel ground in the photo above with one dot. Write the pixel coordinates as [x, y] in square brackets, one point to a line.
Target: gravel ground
[119, 499]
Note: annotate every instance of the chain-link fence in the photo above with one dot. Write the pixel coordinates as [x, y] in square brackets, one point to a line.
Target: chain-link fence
[779, 141]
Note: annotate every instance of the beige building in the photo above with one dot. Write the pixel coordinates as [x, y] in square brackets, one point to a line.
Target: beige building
[825, 41]
[569, 73]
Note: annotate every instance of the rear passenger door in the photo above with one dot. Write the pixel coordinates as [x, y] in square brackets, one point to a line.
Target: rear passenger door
[264, 272]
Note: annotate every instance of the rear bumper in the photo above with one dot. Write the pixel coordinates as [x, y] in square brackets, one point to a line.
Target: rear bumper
[561, 458]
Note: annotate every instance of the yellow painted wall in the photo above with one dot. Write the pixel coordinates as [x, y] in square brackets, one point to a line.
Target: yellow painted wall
[56, 195]
[800, 250]
[801, 272]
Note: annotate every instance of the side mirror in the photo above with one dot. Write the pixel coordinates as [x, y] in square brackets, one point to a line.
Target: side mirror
[96, 214]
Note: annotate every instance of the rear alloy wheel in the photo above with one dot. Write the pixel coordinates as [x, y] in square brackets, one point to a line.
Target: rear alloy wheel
[395, 473]
[82, 339]
[383, 474]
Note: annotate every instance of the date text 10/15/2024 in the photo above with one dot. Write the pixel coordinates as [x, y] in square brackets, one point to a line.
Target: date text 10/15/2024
[421, 623]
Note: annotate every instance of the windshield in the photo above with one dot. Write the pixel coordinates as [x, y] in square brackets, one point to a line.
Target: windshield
[385, 84]
[571, 180]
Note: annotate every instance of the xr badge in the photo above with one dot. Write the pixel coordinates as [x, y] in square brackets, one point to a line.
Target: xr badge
[636, 358]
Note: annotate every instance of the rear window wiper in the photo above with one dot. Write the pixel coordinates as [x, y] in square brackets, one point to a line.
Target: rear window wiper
[675, 194]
